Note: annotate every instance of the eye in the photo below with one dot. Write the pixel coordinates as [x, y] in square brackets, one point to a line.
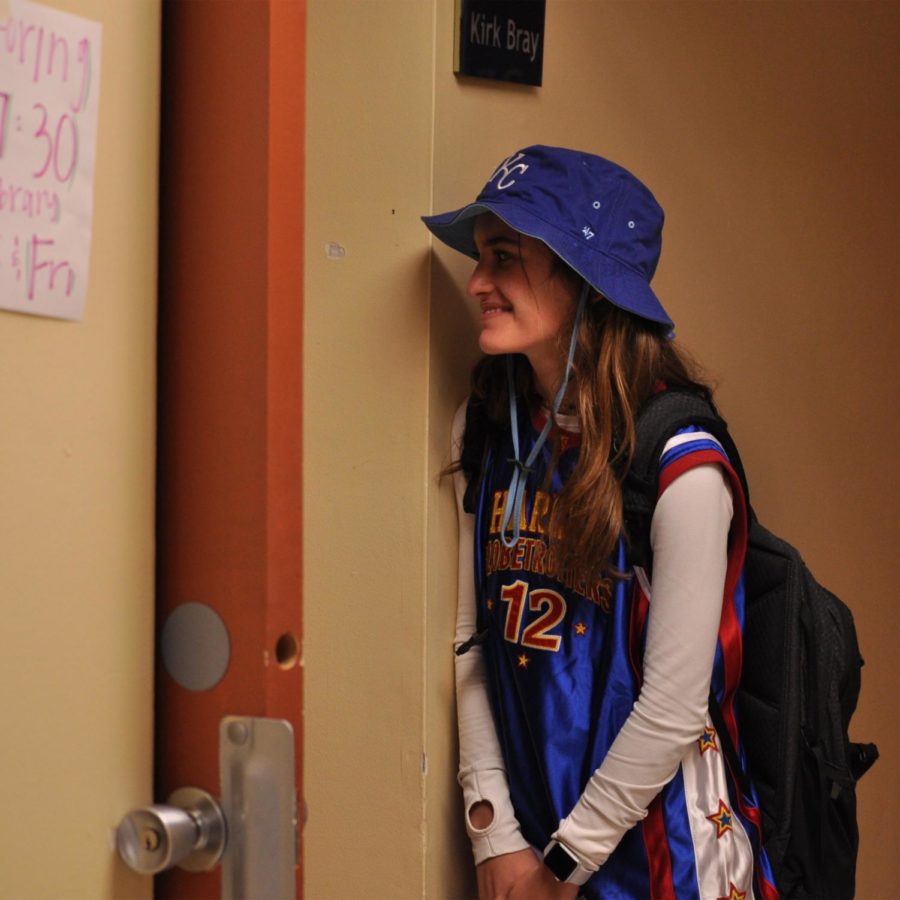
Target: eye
[503, 255]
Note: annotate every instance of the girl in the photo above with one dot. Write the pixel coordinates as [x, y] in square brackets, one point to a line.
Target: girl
[588, 762]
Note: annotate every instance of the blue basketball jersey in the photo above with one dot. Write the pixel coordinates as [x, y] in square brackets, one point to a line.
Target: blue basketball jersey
[564, 674]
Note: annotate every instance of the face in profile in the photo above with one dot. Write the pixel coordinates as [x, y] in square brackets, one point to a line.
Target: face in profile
[526, 305]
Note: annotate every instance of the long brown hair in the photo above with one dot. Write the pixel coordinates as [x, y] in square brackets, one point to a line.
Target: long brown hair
[620, 361]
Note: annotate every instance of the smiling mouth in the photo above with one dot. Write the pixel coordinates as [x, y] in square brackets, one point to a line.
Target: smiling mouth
[491, 310]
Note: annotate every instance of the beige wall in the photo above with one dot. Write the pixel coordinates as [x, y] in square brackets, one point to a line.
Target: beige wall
[365, 465]
[77, 456]
[767, 133]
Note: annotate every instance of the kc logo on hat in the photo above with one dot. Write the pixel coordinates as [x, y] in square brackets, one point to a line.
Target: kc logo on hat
[505, 170]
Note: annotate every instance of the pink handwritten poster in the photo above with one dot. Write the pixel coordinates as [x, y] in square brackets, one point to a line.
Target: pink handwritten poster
[49, 89]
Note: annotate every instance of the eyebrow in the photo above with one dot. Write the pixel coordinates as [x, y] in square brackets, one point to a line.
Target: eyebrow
[498, 239]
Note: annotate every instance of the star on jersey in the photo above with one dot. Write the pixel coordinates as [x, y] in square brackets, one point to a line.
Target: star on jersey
[707, 741]
[580, 628]
[722, 819]
[523, 661]
[734, 893]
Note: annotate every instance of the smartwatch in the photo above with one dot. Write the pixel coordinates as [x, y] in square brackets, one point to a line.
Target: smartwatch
[559, 861]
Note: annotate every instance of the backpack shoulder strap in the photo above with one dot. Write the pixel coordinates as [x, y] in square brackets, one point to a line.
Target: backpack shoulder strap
[661, 417]
[474, 448]
[664, 414]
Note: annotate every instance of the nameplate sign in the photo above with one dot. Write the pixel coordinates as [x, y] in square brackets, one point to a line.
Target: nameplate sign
[500, 39]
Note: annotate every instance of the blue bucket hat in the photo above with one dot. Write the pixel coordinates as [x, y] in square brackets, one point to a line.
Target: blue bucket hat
[593, 214]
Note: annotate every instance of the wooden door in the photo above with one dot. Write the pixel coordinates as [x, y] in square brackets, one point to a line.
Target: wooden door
[229, 466]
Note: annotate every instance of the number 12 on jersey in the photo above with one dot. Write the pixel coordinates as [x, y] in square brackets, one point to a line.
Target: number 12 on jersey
[536, 634]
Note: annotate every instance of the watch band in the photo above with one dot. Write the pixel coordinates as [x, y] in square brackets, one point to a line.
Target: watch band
[560, 861]
[564, 865]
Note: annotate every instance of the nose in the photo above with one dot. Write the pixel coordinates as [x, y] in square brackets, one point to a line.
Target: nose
[479, 282]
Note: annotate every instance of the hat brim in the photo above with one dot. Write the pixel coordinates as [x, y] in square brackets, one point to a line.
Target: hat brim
[623, 287]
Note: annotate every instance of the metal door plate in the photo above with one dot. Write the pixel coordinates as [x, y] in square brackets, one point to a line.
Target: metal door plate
[259, 800]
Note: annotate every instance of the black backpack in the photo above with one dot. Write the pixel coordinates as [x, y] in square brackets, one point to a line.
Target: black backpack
[800, 679]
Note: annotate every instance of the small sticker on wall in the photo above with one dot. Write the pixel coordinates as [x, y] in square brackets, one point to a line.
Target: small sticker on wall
[334, 250]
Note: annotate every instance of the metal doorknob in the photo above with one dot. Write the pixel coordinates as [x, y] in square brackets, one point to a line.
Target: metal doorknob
[188, 832]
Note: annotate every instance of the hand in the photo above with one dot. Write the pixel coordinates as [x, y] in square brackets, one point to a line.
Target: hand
[539, 884]
[497, 875]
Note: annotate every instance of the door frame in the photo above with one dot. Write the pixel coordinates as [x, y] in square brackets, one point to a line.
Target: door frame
[229, 503]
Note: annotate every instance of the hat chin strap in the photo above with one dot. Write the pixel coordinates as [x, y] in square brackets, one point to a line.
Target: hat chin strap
[515, 497]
